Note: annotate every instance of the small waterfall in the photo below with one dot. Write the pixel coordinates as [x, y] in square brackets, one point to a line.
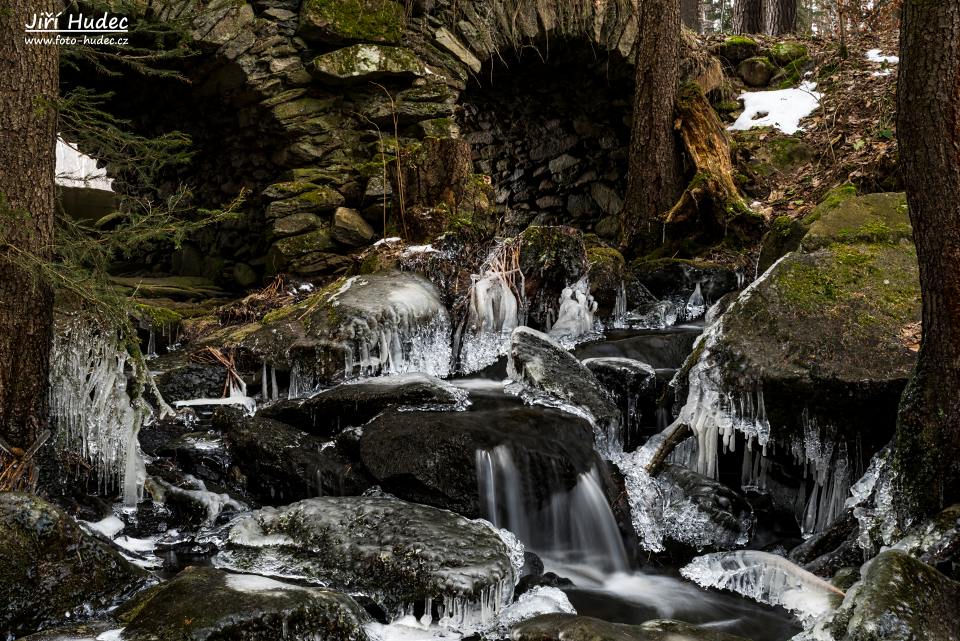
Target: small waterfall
[575, 525]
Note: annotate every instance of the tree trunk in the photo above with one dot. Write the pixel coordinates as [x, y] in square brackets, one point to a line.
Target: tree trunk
[27, 161]
[747, 16]
[779, 16]
[690, 15]
[652, 180]
[927, 452]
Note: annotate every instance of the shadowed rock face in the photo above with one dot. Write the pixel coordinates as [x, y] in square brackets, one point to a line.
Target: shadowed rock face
[51, 569]
[204, 604]
[393, 551]
[430, 457]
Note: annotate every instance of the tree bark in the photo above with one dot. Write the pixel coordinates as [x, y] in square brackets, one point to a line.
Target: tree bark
[28, 87]
[747, 16]
[652, 180]
[779, 17]
[690, 15]
[927, 441]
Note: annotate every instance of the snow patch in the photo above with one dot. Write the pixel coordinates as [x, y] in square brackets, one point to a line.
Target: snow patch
[782, 109]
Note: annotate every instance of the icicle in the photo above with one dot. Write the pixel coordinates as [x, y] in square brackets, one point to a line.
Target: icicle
[90, 406]
[575, 320]
[696, 306]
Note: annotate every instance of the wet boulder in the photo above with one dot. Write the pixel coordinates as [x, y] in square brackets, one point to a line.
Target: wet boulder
[51, 570]
[353, 404]
[180, 379]
[542, 366]
[206, 604]
[276, 463]
[827, 333]
[570, 627]
[431, 457]
[383, 323]
[394, 552]
[898, 598]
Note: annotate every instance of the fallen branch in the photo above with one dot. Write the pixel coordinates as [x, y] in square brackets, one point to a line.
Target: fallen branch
[677, 435]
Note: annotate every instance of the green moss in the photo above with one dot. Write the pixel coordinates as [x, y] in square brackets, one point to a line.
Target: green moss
[360, 61]
[158, 317]
[364, 20]
[288, 189]
[783, 53]
[791, 74]
[873, 218]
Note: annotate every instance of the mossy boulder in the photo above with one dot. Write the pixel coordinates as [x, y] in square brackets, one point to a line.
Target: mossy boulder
[365, 62]
[872, 218]
[784, 236]
[315, 199]
[551, 258]
[295, 224]
[783, 53]
[337, 21]
[205, 604]
[570, 627]
[822, 331]
[607, 270]
[738, 48]
[286, 250]
[898, 598]
[51, 570]
[350, 229]
[756, 71]
[396, 552]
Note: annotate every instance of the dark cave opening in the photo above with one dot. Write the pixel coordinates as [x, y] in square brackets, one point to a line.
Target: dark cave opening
[553, 132]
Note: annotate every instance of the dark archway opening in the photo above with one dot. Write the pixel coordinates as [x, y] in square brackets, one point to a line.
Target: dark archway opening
[553, 132]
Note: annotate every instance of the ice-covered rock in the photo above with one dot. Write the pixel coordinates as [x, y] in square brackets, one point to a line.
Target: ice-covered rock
[372, 325]
[545, 373]
[575, 316]
[766, 578]
[630, 382]
[356, 402]
[569, 627]
[397, 553]
[52, 570]
[204, 603]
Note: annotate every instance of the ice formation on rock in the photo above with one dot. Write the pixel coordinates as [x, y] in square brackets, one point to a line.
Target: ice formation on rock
[766, 578]
[211, 502]
[399, 554]
[394, 326]
[871, 498]
[715, 414]
[236, 395]
[496, 306]
[575, 316]
[829, 466]
[695, 306]
[92, 408]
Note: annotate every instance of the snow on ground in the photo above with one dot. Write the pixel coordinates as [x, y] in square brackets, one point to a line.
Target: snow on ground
[76, 169]
[782, 108]
[875, 55]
